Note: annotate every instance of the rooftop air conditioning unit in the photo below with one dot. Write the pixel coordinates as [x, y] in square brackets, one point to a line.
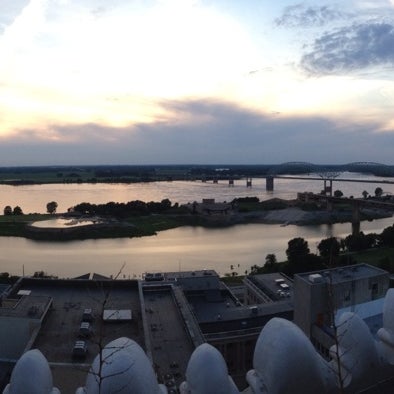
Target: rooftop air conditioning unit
[315, 278]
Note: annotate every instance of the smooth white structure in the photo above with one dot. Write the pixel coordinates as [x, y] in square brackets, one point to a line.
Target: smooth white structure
[285, 360]
[357, 352]
[32, 375]
[386, 333]
[122, 368]
[207, 373]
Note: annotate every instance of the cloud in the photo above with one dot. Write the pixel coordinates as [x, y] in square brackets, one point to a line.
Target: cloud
[350, 49]
[300, 15]
[201, 132]
[9, 11]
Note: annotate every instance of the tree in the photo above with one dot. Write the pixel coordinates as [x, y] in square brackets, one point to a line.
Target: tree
[365, 194]
[270, 263]
[51, 207]
[7, 210]
[329, 247]
[17, 210]
[387, 236]
[270, 259]
[165, 204]
[338, 193]
[378, 192]
[361, 241]
[297, 250]
[254, 269]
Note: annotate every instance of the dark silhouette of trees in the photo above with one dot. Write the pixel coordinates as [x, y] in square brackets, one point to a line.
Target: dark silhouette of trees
[361, 241]
[51, 207]
[122, 210]
[7, 210]
[378, 192]
[338, 193]
[387, 236]
[299, 258]
[271, 264]
[329, 248]
[270, 259]
[17, 210]
[297, 250]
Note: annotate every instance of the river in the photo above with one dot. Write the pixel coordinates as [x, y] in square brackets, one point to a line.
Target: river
[185, 248]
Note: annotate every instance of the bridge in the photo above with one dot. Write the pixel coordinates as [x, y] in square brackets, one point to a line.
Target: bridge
[295, 170]
[328, 173]
[270, 183]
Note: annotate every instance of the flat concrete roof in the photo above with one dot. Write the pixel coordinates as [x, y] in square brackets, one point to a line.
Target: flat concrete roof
[60, 328]
[270, 285]
[171, 344]
[345, 274]
[25, 306]
[227, 310]
[171, 276]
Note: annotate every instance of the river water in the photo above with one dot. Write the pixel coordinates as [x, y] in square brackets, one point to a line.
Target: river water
[185, 248]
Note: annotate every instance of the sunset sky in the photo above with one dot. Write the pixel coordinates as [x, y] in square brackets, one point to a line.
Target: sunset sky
[196, 81]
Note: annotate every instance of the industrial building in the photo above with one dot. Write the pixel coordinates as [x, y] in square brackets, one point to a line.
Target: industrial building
[168, 314]
[175, 320]
[321, 297]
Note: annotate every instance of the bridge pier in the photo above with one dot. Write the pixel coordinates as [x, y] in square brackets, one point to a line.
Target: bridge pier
[355, 218]
[269, 183]
[327, 189]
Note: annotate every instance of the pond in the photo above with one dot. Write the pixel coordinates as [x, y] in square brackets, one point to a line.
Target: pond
[63, 223]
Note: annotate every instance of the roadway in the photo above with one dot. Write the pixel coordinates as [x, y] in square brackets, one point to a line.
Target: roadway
[334, 179]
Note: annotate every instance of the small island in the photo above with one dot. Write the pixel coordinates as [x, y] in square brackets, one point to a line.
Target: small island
[138, 218]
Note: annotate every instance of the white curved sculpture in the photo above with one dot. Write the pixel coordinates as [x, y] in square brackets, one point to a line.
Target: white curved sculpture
[357, 353]
[207, 373]
[386, 333]
[286, 362]
[32, 375]
[123, 368]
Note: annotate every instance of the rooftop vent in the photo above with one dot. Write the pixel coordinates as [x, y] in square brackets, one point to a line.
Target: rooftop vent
[315, 278]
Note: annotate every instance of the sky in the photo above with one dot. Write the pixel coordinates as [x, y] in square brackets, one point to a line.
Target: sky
[196, 81]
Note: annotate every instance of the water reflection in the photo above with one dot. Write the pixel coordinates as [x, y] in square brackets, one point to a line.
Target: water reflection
[63, 223]
[182, 248]
[186, 248]
[33, 198]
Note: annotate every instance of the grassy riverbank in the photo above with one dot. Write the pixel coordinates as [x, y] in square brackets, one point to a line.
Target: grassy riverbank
[15, 225]
[273, 211]
[139, 226]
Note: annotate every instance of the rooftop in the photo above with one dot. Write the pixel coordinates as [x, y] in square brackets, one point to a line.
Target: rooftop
[171, 276]
[275, 285]
[61, 327]
[25, 306]
[343, 274]
[171, 346]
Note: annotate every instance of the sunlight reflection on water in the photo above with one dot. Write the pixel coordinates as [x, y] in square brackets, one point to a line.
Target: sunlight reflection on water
[186, 248]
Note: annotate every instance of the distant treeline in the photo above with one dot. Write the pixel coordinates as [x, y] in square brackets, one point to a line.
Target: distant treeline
[121, 210]
[141, 173]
